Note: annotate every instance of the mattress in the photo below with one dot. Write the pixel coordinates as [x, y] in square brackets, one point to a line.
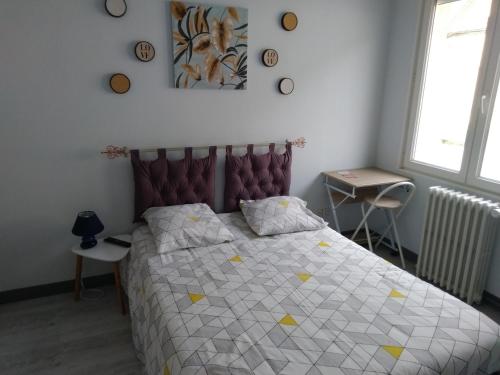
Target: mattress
[303, 303]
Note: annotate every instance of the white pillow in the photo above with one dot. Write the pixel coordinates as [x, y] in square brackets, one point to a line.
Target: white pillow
[278, 215]
[185, 226]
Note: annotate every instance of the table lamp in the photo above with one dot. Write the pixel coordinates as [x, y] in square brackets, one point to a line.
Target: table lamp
[87, 225]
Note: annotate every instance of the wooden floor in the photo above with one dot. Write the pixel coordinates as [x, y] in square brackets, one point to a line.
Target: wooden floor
[57, 336]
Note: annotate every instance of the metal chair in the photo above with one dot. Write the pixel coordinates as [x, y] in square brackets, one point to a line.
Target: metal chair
[389, 205]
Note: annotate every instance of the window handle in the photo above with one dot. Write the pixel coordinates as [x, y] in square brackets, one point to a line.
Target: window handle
[484, 104]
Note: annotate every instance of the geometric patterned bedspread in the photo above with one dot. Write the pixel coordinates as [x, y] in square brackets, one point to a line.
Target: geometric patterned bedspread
[305, 303]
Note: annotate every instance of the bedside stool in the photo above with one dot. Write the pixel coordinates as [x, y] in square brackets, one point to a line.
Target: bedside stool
[105, 252]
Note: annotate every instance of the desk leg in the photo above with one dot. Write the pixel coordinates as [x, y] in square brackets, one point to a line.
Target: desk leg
[387, 232]
[118, 286]
[78, 276]
[333, 209]
[367, 229]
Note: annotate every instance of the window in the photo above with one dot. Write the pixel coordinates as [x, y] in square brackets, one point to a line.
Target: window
[490, 168]
[454, 124]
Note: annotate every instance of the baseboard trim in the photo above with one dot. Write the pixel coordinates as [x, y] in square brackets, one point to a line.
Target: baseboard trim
[45, 290]
[491, 299]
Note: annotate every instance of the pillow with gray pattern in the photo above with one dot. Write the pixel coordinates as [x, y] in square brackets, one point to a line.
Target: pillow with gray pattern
[278, 215]
[185, 226]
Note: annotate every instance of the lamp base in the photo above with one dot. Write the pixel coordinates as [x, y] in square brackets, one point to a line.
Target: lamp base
[88, 242]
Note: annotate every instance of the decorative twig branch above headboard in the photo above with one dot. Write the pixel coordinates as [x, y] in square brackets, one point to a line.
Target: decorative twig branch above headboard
[113, 152]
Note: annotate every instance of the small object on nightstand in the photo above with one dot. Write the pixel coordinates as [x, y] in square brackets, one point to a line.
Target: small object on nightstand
[118, 242]
[104, 252]
[87, 225]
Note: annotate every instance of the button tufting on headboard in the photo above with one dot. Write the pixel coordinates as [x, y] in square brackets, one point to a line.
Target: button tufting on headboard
[164, 182]
[256, 176]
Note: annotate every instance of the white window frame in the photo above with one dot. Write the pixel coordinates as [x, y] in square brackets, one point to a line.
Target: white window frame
[486, 102]
[482, 107]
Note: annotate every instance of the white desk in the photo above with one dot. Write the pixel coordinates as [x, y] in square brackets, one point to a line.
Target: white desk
[351, 186]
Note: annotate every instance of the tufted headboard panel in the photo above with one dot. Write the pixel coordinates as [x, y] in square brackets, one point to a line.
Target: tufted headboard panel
[256, 176]
[164, 182]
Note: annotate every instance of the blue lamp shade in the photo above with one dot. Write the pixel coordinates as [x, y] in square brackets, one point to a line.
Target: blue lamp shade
[87, 225]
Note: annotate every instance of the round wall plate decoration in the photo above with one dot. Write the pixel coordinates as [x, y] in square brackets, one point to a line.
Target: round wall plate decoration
[270, 57]
[289, 21]
[116, 8]
[286, 86]
[144, 51]
[119, 83]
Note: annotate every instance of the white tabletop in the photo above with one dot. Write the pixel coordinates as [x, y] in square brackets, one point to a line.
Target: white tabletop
[366, 177]
[104, 251]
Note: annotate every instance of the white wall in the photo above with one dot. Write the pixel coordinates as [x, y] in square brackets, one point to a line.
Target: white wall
[56, 112]
[401, 57]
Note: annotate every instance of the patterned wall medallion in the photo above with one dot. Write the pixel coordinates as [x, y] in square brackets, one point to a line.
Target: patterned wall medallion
[144, 51]
[209, 46]
[119, 83]
[286, 86]
[270, 57]
[116, 8]
[289, 21]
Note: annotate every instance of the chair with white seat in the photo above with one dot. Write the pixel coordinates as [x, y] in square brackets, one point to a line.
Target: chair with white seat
[389, 204]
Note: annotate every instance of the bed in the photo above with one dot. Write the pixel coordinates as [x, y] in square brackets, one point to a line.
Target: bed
[300, 303]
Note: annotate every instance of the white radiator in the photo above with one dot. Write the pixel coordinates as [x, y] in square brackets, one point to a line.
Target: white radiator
[456, 242]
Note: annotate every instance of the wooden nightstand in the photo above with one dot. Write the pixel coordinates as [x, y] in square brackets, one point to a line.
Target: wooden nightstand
[104, 252]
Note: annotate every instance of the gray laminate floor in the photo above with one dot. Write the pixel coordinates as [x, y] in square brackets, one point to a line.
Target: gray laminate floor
[57, 336]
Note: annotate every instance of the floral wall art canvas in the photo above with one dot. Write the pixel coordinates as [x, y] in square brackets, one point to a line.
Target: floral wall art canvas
[209, 46]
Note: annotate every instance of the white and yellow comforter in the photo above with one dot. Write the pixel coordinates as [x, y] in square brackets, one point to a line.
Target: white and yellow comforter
[304, 303]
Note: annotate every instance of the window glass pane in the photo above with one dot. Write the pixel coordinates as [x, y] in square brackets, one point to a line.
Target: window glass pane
[491, 159]
[454, 56]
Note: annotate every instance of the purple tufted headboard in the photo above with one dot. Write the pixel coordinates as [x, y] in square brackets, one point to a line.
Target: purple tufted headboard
[256, 176]
[164, 182]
